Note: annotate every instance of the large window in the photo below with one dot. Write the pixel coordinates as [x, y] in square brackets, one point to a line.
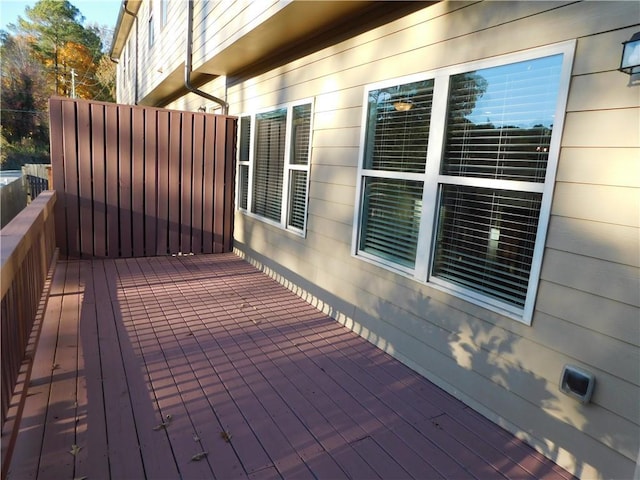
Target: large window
[273, 165]
[457, 174]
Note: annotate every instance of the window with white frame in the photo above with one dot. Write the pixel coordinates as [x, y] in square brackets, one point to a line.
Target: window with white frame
[457, 173]
[164, 9]
[273, 165]
[151, 26]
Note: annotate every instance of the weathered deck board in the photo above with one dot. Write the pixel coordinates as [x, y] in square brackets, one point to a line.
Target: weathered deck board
[28, 448]
[60, 422]
[262, 382]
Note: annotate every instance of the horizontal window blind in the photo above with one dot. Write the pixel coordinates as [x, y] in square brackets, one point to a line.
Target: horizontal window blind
[297, 198]
[500, 120]
[391, 219]
[245, 139]
[243, 186]
[301, 134]
[269, 163]
[485, 240]
[398, 127]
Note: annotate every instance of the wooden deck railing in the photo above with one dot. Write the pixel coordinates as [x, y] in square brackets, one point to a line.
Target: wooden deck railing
[28, 245]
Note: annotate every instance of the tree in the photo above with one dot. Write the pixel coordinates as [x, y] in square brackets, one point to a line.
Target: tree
[49, 52]
[23, 102]
[106, 76]
[56, 27]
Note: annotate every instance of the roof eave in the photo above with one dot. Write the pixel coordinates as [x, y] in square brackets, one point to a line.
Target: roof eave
[128, 10]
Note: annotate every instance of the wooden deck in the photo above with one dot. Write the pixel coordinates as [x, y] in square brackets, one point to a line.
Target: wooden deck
[202, 367]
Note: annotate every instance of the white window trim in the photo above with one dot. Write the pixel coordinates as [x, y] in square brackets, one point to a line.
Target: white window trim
[288, 167]
[433, 180]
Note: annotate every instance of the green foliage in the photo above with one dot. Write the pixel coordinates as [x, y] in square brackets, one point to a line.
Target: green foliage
[14, 155]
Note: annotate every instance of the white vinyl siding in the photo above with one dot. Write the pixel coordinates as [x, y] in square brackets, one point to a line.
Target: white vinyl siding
[273, 165]
[457, 174]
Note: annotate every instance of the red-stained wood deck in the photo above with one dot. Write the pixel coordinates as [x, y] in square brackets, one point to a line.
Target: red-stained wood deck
[145, 363]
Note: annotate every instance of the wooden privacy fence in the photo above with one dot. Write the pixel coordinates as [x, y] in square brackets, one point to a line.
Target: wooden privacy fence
[138, 181]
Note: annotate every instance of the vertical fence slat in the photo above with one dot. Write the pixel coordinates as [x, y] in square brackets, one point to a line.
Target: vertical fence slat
[58, 166]
[209, 159]
[197, 183]
[137, 182]
[174, 181]
[150, 182]
[163, 184]
[112, 176]
[84, 179]
[71, 200]
[218, 185]
[99, 178]
[186, 194]
[124, 153]
[229, 184]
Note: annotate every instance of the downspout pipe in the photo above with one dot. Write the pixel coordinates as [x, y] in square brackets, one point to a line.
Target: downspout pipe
[188, 65]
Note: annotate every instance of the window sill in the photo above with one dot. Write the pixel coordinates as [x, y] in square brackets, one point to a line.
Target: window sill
[279, 226]
[458, 292]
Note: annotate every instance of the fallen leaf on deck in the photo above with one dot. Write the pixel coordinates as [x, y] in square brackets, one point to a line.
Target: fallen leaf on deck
[198, 456]
[75, 449]
[226, 436]
[164, 424]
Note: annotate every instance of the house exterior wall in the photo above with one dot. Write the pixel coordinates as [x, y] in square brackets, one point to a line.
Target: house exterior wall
[142, 65]
[587, 305]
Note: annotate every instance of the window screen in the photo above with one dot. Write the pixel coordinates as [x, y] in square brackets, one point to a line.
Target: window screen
[300, 134]
[269, 163]
[398, 127]
[391, 219]
[485, 240]
[297, 198]
[500, 121]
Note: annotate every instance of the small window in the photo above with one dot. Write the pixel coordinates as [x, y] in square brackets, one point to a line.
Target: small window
[464, 205]
[243, 162]
[164, 9]
[151, 26]
[298, 166]
[273, 165]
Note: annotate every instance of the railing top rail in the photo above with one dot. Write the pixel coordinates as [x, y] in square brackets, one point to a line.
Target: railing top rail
[18, 235]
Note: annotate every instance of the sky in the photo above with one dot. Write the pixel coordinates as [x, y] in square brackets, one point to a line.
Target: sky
[102, 12]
